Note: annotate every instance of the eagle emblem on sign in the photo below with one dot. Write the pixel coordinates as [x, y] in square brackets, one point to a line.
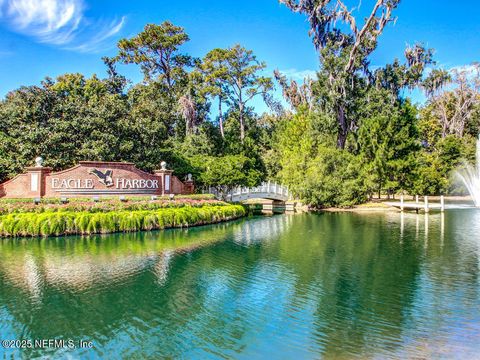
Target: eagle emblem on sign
[104, 178]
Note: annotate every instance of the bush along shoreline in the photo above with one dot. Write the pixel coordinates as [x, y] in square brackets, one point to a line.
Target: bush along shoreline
[57, 223]
[101, 206]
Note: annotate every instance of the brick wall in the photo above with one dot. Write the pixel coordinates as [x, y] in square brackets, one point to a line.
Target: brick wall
[81, 180]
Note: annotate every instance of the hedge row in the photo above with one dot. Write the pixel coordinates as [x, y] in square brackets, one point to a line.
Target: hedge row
[69, 222]
[58, 200]
[103, 206]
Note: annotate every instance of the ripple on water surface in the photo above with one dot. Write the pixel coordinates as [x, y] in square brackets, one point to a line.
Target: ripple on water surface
[343, 285]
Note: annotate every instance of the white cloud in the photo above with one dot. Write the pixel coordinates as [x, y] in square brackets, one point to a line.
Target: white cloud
[58, 22]
[96, 42]
[299, 75]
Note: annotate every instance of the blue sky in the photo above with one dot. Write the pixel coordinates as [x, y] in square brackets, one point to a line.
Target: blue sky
[42, 38]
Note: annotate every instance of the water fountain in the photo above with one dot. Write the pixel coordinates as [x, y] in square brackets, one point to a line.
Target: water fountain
[471, 177]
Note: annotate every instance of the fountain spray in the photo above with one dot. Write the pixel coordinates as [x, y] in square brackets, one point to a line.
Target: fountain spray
[471, 177]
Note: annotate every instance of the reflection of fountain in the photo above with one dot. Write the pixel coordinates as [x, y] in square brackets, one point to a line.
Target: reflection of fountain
[162, 266]
[262, 230]
[471, 177]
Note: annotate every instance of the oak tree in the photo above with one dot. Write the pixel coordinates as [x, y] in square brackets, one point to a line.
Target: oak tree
[343, 50]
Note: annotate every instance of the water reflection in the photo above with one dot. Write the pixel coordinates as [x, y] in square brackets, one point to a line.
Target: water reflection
[390, 285]
[80, 263]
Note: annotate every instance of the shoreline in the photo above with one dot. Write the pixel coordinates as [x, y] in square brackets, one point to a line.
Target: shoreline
[379, 205]
[359, 209]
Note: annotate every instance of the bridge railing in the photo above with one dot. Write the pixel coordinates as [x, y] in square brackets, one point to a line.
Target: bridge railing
[265, 189]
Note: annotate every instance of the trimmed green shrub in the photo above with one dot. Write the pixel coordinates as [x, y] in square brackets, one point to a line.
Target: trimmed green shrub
[57, 201]
[83, 222]
[8, 206]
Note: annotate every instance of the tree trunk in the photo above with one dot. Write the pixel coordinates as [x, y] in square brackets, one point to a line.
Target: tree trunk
[220, 116]
[342, 127]
[242, 125]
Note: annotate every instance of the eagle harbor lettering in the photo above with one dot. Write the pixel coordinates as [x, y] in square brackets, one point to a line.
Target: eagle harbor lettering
[106, 179]
[136, 184]
[72, 183]
[89, 184]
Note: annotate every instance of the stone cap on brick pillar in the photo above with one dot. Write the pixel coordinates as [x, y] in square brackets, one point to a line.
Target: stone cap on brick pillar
[36, 178]
[188, 180]
[166, 176]
[43, 169]
[188, 186]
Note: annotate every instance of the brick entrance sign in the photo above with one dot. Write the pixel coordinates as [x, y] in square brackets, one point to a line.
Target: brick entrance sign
[91, 178]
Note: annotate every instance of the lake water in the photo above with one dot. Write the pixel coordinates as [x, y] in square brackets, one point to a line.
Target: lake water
[332, 285]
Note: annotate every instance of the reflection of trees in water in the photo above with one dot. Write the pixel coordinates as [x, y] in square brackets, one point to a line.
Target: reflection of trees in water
[450, 240]
[358, 275]
[441, 246]
[89, 285]
[336, 284]
[96, 302]
[446, 292]
[80, 263]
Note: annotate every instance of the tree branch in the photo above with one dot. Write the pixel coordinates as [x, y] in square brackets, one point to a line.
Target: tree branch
[372, 20]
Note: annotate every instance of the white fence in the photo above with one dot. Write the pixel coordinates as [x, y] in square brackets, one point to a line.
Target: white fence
[266, 190]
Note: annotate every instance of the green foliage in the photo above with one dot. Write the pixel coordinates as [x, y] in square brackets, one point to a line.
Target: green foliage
[155, 49]
[110, 199]
[229, 170]
[344, 44]
[442, 153]
[334, 178]
[106, 205]
[74, 118]
[388, 144]
[295, 147]
[233, 75]
[67, 222]
[437, 163]
[314, 169]
[64, 121]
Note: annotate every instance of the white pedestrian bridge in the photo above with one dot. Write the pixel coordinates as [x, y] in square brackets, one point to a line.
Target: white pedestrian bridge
[267, 190]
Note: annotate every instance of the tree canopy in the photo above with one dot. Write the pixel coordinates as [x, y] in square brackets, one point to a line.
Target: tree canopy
[348, 133]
